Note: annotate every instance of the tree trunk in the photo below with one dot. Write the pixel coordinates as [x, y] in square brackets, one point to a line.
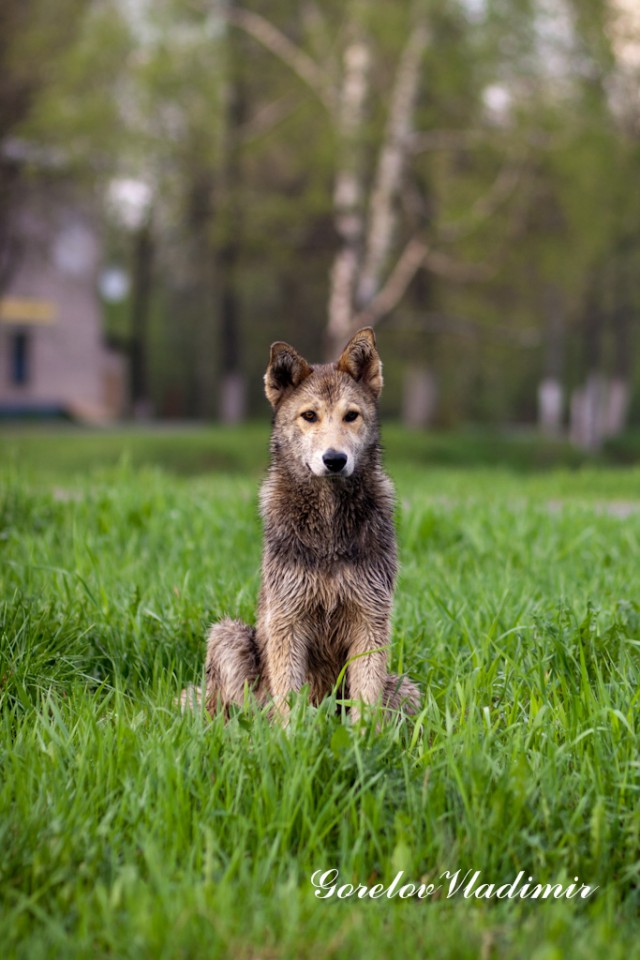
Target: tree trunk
[356, 277]
[619, 397]
[141, 406]
[550, 406]
[618, 402]
[348, 194]
[197, 301]
[232, 386]
[588, 404]
[232, 398]
[9, 202]
[420, 395]
[391, 167]
[550, 389]
[420, 385]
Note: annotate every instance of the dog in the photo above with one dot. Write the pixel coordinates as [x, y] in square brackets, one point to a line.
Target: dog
[329, 556]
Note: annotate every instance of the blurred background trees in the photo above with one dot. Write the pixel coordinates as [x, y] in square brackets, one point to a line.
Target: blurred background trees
[462, 174]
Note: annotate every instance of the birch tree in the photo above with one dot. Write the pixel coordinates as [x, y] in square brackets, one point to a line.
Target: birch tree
[608, 45]
[358, 272]
[371, 270]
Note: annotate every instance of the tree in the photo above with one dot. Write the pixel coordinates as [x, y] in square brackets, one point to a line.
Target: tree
[315, 167]
[366, 284]
[33, 41]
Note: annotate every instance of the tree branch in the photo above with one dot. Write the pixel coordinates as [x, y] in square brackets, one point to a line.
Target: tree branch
[410, 260]
[445, 140]
[279, 44]
[416, 255]
[391, 163]
[267, 117]
[445, 266]
[486, 205]
[436, 322]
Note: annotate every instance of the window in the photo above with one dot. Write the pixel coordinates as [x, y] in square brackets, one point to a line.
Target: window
[19, 358]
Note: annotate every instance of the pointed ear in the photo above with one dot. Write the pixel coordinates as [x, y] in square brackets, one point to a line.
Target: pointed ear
[286, 370]
[361, 360]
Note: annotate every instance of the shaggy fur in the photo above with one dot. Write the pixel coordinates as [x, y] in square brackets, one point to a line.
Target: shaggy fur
[329, 559]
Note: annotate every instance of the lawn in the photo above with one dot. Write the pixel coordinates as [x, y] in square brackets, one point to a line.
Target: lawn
[130, 830]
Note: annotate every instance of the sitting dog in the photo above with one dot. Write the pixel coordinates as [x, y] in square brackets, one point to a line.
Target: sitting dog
[329, 559]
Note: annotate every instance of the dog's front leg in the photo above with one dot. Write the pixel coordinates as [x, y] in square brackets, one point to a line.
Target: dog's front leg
[287, 657]
[367, 658]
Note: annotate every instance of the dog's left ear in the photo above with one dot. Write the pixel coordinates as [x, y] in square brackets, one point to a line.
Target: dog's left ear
[361, 360]
[286, 370]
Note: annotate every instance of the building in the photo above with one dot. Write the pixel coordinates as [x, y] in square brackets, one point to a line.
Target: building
[54, 359]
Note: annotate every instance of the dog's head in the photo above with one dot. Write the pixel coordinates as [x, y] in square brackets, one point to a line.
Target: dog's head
[325, 416]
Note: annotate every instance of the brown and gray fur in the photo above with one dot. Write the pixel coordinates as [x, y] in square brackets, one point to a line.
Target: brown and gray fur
[329, 558]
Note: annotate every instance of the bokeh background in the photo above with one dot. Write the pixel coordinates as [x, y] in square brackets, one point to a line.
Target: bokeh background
[184, 181]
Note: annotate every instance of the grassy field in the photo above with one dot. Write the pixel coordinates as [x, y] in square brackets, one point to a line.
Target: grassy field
[130, 830]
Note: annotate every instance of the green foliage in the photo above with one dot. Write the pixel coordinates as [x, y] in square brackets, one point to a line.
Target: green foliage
[239, 150]
[129, 829]
[83, 50]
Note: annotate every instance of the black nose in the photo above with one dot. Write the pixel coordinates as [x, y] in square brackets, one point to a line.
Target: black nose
[334, 461]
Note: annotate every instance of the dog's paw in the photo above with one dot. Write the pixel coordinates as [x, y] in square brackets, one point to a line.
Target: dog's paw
[190, 699]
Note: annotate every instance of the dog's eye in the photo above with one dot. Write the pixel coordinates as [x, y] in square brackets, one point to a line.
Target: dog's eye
[351, 416]
[310, 416]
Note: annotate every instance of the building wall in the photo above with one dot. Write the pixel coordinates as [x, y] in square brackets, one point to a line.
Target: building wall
[52, 297]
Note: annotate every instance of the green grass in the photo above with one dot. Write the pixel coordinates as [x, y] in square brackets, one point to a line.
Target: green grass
[129, 830]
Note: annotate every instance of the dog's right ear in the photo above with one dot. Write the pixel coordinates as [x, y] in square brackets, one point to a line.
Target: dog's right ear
[360, 359]
[286, 370]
